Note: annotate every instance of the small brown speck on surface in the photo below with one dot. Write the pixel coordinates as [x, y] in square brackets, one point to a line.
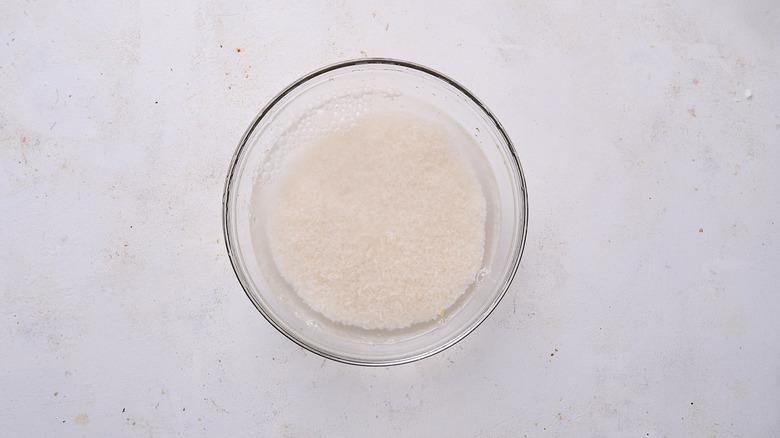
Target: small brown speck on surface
[238, 50]
[692, 111]
[695, 81]
[55, 393]
[701, 230]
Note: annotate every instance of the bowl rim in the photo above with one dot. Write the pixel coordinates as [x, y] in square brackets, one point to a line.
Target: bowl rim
[231, 178]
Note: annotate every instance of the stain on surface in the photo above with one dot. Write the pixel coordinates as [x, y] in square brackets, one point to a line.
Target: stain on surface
[81, 419]
[738, 389]
[737, 324]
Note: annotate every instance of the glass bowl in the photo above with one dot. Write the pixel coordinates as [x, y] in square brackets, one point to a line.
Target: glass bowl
[340, 95]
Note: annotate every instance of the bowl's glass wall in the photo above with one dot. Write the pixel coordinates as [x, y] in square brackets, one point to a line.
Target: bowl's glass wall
[332, 97]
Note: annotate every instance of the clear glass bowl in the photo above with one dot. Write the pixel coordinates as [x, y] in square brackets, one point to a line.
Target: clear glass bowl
[333, 96]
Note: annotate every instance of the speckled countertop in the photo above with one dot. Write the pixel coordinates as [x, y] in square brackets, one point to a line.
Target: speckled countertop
[646, 303]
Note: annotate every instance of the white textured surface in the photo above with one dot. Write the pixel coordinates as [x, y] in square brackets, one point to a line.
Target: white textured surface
[650, 272]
